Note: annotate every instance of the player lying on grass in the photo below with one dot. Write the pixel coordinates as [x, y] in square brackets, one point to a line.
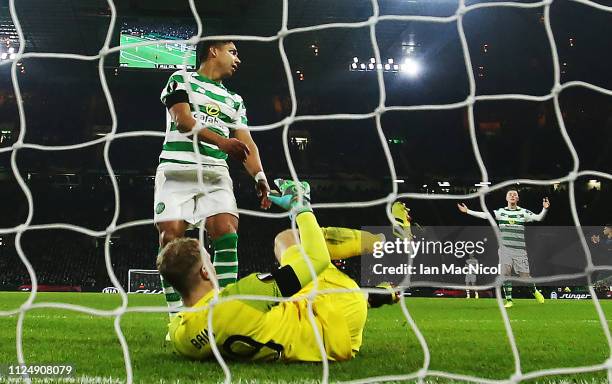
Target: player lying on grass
[342, 243]
[266, 329]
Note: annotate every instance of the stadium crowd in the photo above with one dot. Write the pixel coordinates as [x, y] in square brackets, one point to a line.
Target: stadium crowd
[62, 257]
[343, 159]
[165, 30]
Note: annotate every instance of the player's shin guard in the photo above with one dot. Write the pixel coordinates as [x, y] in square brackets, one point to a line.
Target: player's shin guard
[173, 299]
[507, 290]
[226, 258]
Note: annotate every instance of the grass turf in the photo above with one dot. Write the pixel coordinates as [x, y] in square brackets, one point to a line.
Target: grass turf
[464, 336]
[149, 56]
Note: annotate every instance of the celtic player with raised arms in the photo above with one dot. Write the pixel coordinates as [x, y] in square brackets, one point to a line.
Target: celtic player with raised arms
[267, 329]
[199, 103]
[511, 220]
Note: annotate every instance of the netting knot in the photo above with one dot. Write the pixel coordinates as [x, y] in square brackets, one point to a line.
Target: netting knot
[288, 120]
[21, 228]
[391, 198]
[380, 110]
[17, 145]
[213, 302]
[483, 189]
[25, 307]
[111, 228]
[573, 175]
[283, 32]
[556, 89]
[103, 51]
[422, 373]
[516, 378]
[471, 100]
[461, 10]
[119, 311]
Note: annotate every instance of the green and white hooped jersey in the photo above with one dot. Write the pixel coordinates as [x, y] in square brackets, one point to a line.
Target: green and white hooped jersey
[512, 227]
[214, 105]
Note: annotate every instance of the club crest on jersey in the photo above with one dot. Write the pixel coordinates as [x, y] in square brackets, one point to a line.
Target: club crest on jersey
[160, 208]
[212, 109]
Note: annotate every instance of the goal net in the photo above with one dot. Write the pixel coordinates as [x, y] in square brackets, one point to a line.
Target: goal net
[144, 281]
[149, 279]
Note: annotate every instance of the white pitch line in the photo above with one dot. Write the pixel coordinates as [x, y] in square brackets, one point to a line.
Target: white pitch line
[162, 51]
[145, 60]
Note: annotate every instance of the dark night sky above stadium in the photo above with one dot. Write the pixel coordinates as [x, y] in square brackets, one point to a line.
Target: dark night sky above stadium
[508, 46]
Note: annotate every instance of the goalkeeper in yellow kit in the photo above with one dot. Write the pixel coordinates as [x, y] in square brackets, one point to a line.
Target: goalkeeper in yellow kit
[266, 329]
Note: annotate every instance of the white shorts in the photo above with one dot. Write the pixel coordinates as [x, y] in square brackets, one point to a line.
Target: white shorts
[178, 196]
[518, 261]
[470, 278]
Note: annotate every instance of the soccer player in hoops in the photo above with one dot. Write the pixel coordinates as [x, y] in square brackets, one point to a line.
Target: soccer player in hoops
[268, 330]
[180, 202]
[512, 251]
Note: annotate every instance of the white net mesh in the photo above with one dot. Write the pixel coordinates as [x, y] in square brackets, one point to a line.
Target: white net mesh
[285, 124]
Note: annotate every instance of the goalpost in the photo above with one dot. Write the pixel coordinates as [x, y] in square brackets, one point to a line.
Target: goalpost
[144, 281]
[457, 18]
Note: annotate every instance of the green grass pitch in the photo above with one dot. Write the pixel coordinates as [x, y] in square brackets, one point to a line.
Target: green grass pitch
[464, 336]
[150, 55]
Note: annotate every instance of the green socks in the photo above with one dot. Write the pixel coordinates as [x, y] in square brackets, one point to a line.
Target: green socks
[226, 258]
[173, 299]
[507, 290]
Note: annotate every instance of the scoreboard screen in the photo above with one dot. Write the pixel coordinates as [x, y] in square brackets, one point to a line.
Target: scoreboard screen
[165, 53]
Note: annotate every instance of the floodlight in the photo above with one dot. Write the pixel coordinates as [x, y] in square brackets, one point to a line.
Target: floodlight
[410, 66]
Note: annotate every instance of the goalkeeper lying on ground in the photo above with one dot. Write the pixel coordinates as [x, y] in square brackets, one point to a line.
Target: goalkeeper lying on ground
[268, 330]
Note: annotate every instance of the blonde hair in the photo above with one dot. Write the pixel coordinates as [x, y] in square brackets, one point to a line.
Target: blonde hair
[180, 262]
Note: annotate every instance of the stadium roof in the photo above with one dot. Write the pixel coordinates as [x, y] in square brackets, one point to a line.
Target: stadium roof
[79, 26]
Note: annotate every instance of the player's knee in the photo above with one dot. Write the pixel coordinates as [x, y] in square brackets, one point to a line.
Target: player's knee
[169, 233]
[286, 237]
[221, 224]
[507, 270]
[282, 241]
[165, 237]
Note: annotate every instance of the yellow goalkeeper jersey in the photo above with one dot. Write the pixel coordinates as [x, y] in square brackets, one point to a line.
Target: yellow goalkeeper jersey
[267, 330]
